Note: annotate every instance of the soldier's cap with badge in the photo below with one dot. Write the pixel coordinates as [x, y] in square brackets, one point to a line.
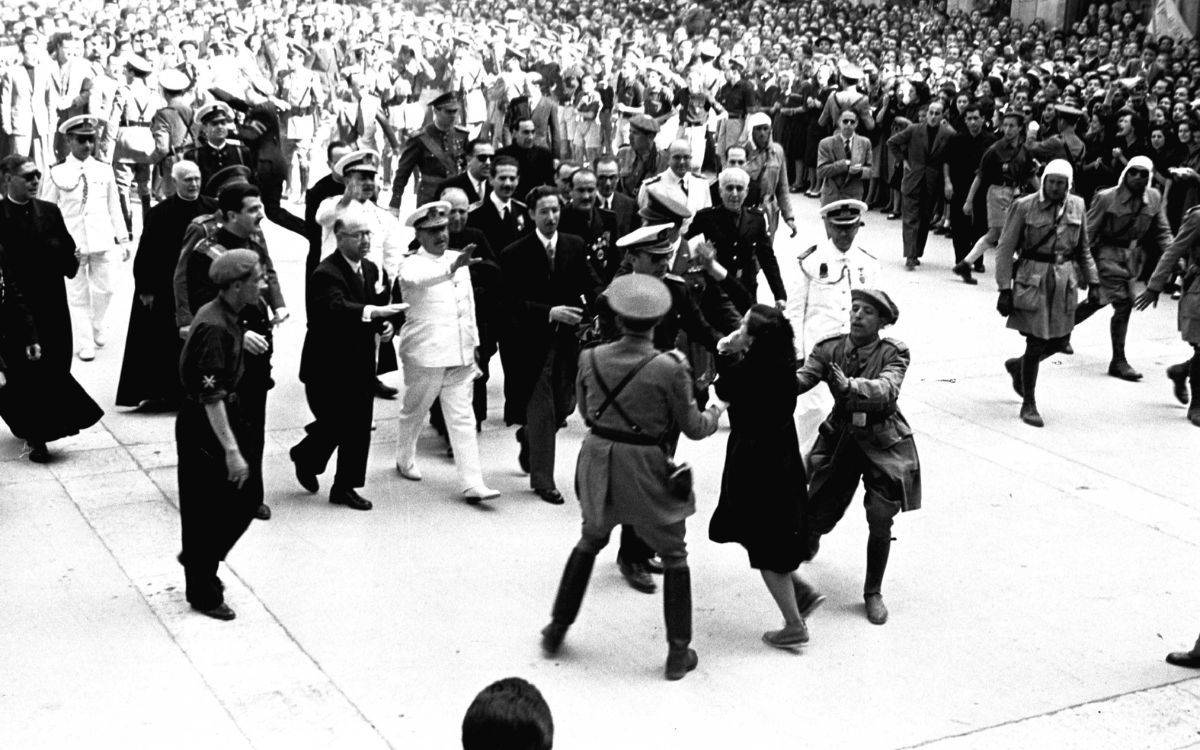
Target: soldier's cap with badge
[173, 80]
[644, 123]
[448, 99]
[232, 265]
[1014, 112]
[363, 160]
[430, 215]
[214, 113]
[849, 70]
[655, 239]
[139, 65]
[79, 125]
[227, 176]
[846, 212]
[638, 296]
[708, 48]
[664, 205]
[878, 299]
[1068, 113]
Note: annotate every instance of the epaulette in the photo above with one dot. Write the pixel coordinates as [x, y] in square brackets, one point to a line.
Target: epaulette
[864, 252]
[900, 345]
[677, 355]
[461, 129]
[475, 205]
[808, 252]
[833, 337]
[1192, 210]
[519, 203]
[674, 277]
[757, 209]
[651, 180]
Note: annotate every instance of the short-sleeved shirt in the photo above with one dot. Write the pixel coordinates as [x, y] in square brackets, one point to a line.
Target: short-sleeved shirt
[1006, 164]
[211, 366]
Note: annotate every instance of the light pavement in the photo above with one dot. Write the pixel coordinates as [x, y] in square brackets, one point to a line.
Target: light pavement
[1032, 598]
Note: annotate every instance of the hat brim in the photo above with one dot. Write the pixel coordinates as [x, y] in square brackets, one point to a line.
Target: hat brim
[436, 223]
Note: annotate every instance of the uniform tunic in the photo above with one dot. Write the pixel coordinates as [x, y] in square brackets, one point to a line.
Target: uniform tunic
[1119, 224]
[435, 154]
[1054, 252]
[1186, 245]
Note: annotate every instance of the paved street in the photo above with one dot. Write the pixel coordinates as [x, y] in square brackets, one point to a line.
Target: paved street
[1032, 599]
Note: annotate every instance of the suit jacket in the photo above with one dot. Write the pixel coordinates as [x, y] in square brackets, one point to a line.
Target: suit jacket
[743, 244]
[339, 348]
[598, 228]
[326, 187]
[626, 210]
[70, 88]
[537, 167]
[545, 123]
[531, 289]
[831, 167]
[924, 159]
[25, 105]
[500, 234]
[463, 182]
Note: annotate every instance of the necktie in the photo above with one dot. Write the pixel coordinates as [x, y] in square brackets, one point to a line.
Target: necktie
[550, 254]
[683, 185]
[361, 279]
[848, 154]
[504, 214]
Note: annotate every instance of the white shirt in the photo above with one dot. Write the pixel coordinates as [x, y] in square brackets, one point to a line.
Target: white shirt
[818, 302]
[500, 207]
[439, 327]
[86, 193]
[386, 249]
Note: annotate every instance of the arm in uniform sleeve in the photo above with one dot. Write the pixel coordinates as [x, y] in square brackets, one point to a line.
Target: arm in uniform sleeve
[770, 265]
[113, 200]
[1010, 238]
[1095, 214]
[681, 400]
[274, 292]
[1189, 235]
[160, 130]
[199, 289]
[880, 392]
[209, 372]
[780, 189]
[409, 158]
[1159, 233]
[816, 366]
[1087, 264]
[6, 96]
[691, 319]
[718, 310]
[183, 308]
[415, 271]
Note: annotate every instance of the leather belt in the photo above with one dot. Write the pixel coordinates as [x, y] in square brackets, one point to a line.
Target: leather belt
[1047, 258]
[620, 436]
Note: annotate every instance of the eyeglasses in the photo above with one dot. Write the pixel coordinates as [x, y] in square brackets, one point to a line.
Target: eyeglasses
[85, 138]
[606, 177]
[850, 122]
[32, 176]
[484, 157]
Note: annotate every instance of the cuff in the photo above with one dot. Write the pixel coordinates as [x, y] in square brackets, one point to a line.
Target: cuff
[367, 313]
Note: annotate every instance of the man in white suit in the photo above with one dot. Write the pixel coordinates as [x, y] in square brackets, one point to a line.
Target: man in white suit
[25, 102]
[844, 161]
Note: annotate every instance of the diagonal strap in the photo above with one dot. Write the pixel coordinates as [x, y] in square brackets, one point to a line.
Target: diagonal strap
[610, 395]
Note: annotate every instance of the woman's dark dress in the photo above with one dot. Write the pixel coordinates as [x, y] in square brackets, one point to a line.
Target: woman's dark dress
[764, 486]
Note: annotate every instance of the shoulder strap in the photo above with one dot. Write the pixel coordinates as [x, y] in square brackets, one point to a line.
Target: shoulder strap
[610, 396]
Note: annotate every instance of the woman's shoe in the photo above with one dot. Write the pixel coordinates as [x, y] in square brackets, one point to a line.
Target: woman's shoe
[792, 636]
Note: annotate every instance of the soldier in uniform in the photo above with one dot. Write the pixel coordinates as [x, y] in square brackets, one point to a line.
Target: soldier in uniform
[171, 128]
[1038, 294]
[638, 161]
[630, 395]
[301, 88]
[864, 438]
[438, 152]
[214, 152]
[1121, 222]
[132, 110]
[212, 433]
[818, 302]
[1065, 145]
[86, 192]
[1186, 246]
[740, 235]
[597, 226]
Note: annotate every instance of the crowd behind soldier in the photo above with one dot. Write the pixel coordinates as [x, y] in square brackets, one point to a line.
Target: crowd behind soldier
[555, 133]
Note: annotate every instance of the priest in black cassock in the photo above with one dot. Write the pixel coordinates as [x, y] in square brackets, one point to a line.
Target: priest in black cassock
[150, 369]
[41, 402]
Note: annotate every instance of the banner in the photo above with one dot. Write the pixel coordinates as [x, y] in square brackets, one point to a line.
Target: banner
[1167, 21]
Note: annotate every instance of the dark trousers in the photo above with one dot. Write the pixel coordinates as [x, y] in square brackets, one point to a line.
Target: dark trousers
[966, 230]
[834, 484]
[553, 398]
[342, 412]
[915, 213]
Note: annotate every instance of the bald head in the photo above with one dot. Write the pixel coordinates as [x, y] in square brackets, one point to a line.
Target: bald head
[679, 157]
[187, 179]
[460, 205]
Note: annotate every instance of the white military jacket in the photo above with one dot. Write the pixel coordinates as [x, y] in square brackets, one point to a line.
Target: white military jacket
[86, 193]
[818, 303]
[439, 327]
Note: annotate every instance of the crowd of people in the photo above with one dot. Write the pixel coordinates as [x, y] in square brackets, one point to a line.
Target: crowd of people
[598, 188]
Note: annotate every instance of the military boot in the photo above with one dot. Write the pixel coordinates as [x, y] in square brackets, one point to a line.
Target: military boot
[566, 604]
[1194, 379]
[1118, 329]
[1186, 658]
[1178, 375]
[677, 615]
[878, 549]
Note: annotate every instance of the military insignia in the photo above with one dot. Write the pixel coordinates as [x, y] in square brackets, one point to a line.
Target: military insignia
[208, 381]
[520, 222]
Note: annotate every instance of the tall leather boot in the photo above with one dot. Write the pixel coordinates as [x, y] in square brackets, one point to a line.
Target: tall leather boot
[1186, 658]
[677, 614]
[878, 548]
[1118, 330]
[124, 200]
[570, 595]
[1178, 375]
[1029, 375]
[1194, 379]
[1085, 310]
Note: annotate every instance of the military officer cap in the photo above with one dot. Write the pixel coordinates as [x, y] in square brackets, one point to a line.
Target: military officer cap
[139, 65]
[447, 99]
[664, 205]
[737, 62]
[431, 215]
[644, 123]
[363, 160]
[655, 239]
[879, 300]
[79, 125]
[846, 212]
[708, 48]
[850, 71]
[214, 113]
[232, 265]
[513, 15]
[174, 80]
[1013, 112]
[227, 176]
[1066, 112]
[638, 296]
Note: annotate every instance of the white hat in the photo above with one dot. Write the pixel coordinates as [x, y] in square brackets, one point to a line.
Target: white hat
[363, 160]
[430, 215]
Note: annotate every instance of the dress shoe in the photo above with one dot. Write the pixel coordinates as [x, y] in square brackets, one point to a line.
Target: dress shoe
[552, 637]
[305, 477]
[39, 453]
[654, 565]
[917, 261]
[789, 637]
[807, 598]
[219, 612]
[979, 267]
[383, 390]
[263, 513]
[1014, 371]
[1124, 371]
[1194, 417]
[523, 453]
[1184, 659]
[1179, 379]
[876, 612]
[893, 217]
[1066, 348]
[910, 264]
[680, 661]
[1030, 416]
[87, 353]
[410, 472]
[347, 496]
[476, 494]
[964, 270]
[99, 338]
[637, 577]
[552, 496]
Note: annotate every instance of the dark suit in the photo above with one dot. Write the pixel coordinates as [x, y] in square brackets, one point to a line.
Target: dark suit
[743, 244]
[463, 182]
[326, 187]
[537, 167]
[598, 228]
[337, 367]
[626, 209]
[500, 233]
[921, 187]
[540, 356]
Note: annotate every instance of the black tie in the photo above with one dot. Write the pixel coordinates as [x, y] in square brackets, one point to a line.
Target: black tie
[504, 214]
[848, 154]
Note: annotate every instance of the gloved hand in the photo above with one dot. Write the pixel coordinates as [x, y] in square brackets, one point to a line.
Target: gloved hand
[1093, 295]
[1004, 303]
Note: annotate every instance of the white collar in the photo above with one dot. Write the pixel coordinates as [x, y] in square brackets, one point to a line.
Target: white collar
[552, 241]
[496, 201]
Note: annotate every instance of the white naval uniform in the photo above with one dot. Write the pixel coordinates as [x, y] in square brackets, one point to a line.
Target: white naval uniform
[818, 306]
[693, 188]
[86, 193]
[386, 248]
[437, 351]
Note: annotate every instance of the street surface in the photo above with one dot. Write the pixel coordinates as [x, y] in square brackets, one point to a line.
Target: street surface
[1032, 598]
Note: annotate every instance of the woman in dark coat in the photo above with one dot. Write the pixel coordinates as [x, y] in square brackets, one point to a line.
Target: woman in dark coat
[763, 488]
